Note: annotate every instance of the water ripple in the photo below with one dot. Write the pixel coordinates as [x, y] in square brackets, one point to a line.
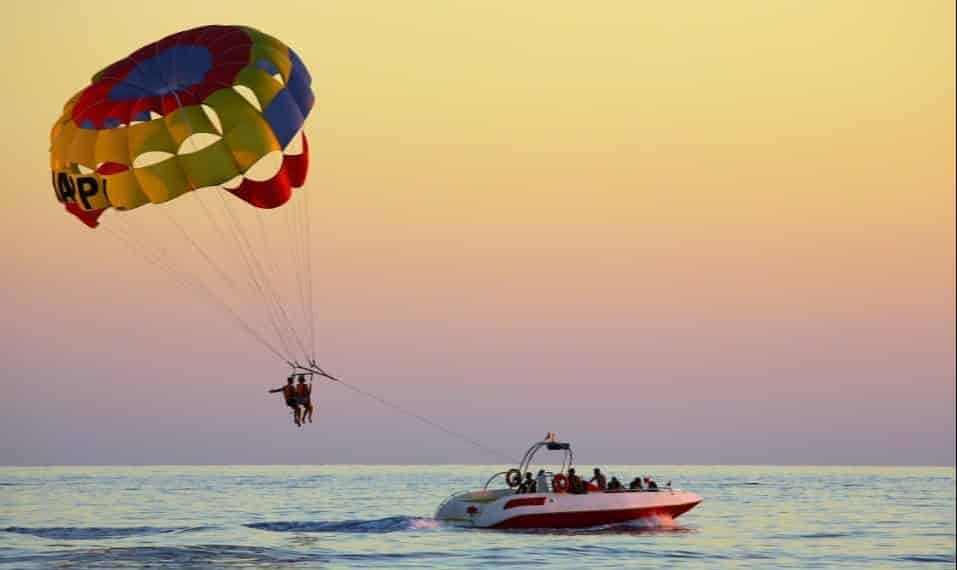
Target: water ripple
[388, 524]
[268, 517]
[93, 533]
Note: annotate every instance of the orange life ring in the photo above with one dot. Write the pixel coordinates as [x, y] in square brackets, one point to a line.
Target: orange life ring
[559, 483]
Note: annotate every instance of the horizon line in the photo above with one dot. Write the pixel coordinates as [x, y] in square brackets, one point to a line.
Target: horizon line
[336, 464]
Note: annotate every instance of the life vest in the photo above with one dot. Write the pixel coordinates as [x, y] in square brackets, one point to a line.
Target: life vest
[289, 393]
[303, 392]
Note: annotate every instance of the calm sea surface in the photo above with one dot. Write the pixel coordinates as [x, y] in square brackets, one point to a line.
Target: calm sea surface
[380, 516]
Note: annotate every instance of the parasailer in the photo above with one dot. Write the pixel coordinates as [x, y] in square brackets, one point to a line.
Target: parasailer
[304, 397]
[289, 395]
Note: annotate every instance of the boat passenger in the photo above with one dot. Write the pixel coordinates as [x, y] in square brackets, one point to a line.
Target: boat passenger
[541, 481]
[615, 484]
[289, 394]
[652, 486]
[599, 479]
[635, 484]
[528, 485]
[576, 486]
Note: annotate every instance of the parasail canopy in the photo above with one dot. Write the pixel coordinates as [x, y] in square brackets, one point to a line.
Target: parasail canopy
[210, 107]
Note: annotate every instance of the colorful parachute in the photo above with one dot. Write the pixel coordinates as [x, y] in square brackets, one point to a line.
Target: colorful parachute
[215, 106]
[179, 125]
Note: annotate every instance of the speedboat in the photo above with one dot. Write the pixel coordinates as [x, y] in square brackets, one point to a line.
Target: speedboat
[555, 506]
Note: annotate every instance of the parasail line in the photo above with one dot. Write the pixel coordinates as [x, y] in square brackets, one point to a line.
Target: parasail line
[281, 310]
[163, 260]
[179, 103]
[315, 369]
[248, 256]
[276, 311]
[304, 269]
[185, 280]
[299, 261]
[312, 307]
[268, 254]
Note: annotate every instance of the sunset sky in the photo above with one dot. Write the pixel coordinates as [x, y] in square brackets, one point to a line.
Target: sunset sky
[683, 232]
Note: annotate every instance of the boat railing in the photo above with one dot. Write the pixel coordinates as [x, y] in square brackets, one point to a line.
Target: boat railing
[492, 478]
[550, 475]
[452, 497]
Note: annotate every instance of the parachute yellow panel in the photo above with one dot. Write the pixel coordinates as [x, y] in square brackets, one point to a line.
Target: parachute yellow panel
[194, 110]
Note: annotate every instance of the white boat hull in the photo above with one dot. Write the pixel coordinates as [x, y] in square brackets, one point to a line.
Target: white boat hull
[505, 509]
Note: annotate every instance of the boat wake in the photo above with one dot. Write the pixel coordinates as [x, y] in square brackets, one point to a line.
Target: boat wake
[403, 523]
[373, 526]
[162, 557]
[650, 525]
[96, 533]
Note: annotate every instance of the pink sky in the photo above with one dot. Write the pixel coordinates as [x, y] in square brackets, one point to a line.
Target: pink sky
[733, 244]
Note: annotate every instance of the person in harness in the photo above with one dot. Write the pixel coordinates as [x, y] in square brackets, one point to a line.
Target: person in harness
[304, 398]
[289, 394]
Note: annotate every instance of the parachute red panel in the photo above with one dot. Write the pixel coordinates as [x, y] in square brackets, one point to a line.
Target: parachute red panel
[210, 107]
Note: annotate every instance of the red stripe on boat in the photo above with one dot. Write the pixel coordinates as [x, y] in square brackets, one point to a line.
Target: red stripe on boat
[585, 519]
[528, 502]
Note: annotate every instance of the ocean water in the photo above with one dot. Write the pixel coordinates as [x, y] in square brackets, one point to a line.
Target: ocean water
[380, 516]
